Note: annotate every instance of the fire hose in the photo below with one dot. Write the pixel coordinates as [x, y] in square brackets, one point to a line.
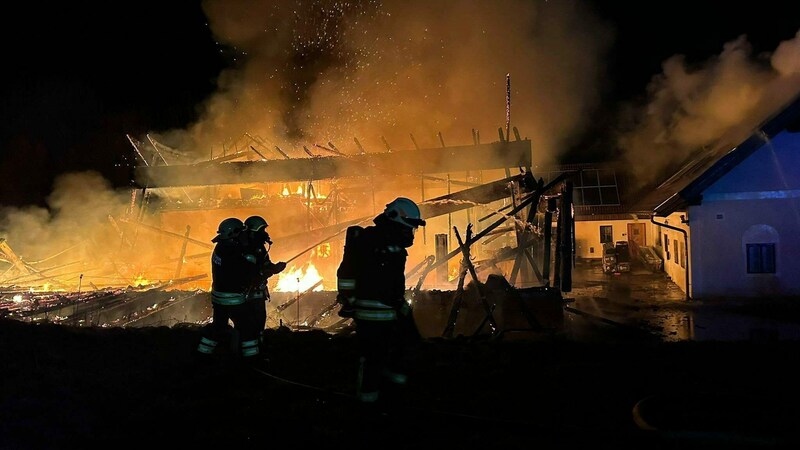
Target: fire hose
[432, 411]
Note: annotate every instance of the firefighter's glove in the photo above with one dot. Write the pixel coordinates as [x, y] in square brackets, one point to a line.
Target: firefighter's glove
[280, 266]
[345, 299]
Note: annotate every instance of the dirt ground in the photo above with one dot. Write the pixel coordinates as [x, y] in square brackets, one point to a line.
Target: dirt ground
[620, 374]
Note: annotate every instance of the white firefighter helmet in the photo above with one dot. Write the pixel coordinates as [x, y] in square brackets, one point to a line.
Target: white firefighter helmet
[404, 211]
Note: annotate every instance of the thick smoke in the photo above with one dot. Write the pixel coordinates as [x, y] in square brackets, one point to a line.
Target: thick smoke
[76, 219]
[313, 72]
[78, 205]
[85, 230]
[692, 109]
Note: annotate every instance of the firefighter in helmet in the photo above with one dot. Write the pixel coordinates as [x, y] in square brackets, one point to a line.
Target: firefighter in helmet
[231, 271]
[371, 284]
[255, 241]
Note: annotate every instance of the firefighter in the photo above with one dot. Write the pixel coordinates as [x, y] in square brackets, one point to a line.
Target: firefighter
[371, 285]
[231, 272]
[254, 241]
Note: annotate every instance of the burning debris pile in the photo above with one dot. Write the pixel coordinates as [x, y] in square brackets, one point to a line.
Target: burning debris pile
[161, 241]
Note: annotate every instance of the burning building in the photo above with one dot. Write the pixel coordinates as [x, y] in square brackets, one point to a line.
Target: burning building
[309, 201]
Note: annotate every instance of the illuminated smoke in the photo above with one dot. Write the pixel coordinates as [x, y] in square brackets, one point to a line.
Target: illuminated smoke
[311, 71]
[318, 72]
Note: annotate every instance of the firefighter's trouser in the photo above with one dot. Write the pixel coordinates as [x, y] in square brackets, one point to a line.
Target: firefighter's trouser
[258, 306]
[243, 322]
[381, 345]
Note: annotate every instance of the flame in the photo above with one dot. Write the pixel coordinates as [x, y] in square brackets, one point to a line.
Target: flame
[297, 279]
[141, 281]
[324, 250]
[285, 191]
[454, 273]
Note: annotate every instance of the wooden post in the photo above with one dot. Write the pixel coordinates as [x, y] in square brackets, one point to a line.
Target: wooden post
[489, 310]
[548, 236]
[414, 141]
[567, 237]
[183, 253]
[441, 252]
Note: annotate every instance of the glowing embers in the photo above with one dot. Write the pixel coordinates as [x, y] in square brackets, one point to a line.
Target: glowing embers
[47, 287]
[299, 279]
[141, 281]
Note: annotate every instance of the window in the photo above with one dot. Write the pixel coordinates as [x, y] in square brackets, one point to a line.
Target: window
[666, 245]
[675, 244]
[606, 234]
[594, 187]
[760, 258]
[683, 255]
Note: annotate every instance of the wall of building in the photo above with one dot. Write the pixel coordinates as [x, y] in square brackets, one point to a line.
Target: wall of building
[665, 241]
[758, 202]
[587, 236]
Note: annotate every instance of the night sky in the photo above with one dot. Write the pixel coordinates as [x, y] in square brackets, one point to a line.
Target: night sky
[76, 80]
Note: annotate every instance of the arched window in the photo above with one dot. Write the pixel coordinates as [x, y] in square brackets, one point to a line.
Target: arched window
[760, 244]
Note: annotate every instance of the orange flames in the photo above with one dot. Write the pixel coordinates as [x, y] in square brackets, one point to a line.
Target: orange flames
[298, 279]
[287, 191]
[454, 273]
[324, 250]
[141, 281]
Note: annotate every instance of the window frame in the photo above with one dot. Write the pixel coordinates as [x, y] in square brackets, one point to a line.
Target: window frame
[771, 255]
[675, 248]
[611, 234]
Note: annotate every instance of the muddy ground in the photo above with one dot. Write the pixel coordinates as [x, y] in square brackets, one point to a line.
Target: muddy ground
[632, 366]
[67, 387]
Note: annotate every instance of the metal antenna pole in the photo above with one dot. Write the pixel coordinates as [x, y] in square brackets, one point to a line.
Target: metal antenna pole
[508, 106]
[298, 303]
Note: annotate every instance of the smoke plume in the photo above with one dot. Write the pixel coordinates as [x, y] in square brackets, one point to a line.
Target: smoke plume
[319, 71]
[312, 72]
[691, 109]
[84, 231]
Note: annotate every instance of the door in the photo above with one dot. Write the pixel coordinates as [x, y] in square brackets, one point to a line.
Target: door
[636, 237]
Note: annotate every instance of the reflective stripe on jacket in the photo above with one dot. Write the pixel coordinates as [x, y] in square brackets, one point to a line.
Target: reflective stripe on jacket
[227, 298]
[346, 284]
[373, 310]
